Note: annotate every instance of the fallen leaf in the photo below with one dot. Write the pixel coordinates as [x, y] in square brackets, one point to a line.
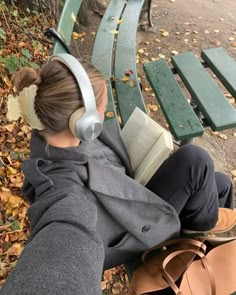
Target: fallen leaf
[223, 136]
[231, 38]
[114, 32]
[132, 83]
[221, 19]
[10, 127]
[174, 52]
[125, 78]
[157, 40]
[119, 21]
[195, 32]
[75, 35]
[14, 250]
[165, 34]
[104, 285]
[233, 44]
[141, 50]
[206, 32]
[235, 134]
[153, 107]
[147, 89]
[233, 172]
[216, 31]
[161, 55]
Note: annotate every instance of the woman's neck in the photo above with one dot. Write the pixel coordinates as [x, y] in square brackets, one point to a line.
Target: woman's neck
[63, 139]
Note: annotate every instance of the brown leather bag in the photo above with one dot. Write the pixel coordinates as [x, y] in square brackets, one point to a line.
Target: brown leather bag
[185, 260]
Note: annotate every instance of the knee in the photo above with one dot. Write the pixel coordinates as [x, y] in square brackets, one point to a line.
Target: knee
[195, 155]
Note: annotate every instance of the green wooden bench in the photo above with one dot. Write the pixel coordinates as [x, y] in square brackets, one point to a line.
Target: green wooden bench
[214, 108]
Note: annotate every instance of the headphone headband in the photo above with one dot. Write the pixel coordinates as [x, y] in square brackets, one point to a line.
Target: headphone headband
[81, 77]
[85, 123]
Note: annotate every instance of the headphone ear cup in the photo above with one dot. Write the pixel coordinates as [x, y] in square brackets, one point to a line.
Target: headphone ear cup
[74, 118]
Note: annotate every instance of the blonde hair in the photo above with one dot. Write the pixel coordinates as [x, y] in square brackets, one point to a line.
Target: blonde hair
[58, 94]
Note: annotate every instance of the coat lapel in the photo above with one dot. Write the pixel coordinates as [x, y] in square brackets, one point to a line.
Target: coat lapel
[111, 137]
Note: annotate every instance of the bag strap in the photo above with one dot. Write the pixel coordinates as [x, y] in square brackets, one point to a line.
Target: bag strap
[199, 244]
[205, 264]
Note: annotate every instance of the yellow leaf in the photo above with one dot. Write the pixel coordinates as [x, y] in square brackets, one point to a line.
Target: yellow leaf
[233, 172]
[10, 127]
[114, 32]
[125, 78]
[110, 114]
[233, 44]
[119, 21]
[15, 250]
[141, 50]
[165, 34]
[11, 171]
[75, 35]
[73, 16]
[104, 285]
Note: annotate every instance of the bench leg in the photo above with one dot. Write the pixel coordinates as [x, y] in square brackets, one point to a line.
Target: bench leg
[150, 13]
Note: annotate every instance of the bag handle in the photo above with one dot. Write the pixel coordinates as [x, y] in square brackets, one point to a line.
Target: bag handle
[205, 264]
[199, 244]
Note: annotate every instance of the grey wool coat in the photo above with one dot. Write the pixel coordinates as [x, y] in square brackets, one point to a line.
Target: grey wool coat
[84, 217]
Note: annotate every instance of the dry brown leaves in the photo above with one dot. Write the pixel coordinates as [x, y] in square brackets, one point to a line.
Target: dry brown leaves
[14, 136]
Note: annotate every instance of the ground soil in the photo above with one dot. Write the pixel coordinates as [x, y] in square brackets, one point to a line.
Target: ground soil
[193, 25]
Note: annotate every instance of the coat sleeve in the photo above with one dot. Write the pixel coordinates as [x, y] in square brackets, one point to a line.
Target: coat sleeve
[64, 255]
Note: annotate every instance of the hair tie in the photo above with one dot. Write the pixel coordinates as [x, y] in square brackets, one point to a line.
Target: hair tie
[23, 106]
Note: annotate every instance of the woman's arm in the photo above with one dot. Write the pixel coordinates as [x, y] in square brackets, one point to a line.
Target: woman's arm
[64, 254]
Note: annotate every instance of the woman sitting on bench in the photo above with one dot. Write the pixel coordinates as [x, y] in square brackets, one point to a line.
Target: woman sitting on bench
[87, 213]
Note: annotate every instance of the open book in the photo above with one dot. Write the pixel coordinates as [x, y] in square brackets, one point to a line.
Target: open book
[147, 143]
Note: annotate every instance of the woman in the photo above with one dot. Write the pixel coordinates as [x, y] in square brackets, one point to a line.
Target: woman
[87, 213]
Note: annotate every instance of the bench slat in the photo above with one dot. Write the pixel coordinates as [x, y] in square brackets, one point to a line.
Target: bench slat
[128, 93]
[219, 113]
[66, 23]
[183, 122]
[103, 48]
[223, 65]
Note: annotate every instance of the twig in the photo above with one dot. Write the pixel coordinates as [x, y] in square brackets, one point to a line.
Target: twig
[6, 22]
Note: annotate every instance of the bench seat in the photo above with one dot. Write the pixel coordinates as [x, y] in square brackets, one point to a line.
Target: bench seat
[215, 109]
[218, 112]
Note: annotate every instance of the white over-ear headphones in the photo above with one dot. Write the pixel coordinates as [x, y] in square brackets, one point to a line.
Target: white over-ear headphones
[85, 123]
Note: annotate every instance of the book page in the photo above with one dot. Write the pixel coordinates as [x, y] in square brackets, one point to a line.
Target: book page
[153, 160]
[139, 135]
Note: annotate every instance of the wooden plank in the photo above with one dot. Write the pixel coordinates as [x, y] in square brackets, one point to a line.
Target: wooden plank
[102, 56]
[219, 113]
[183, 122]
[66, 23]
[128, 93]
[223, 65]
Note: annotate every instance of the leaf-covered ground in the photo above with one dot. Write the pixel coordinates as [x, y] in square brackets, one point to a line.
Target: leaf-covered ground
[21, 44]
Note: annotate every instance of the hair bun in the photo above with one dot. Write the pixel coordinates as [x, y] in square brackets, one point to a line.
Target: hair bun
[26, 77]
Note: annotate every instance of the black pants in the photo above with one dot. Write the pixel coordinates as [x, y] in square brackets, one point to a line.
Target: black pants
[188, 182]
